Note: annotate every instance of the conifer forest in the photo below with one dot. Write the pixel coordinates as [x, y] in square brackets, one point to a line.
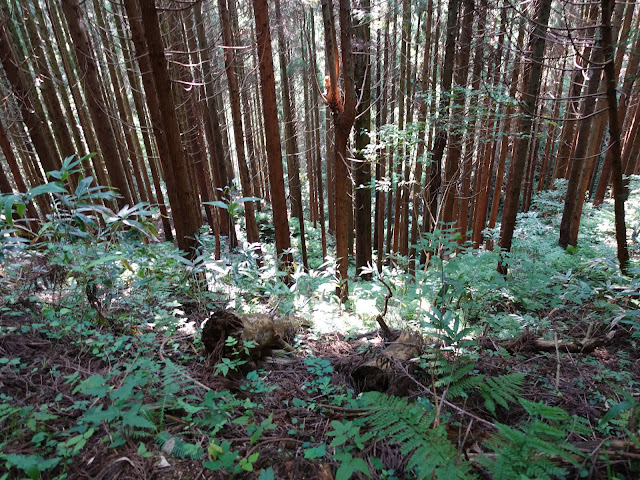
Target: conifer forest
[319, 239]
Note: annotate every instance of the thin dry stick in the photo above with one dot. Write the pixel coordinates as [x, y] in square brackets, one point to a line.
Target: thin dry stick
[555, 336]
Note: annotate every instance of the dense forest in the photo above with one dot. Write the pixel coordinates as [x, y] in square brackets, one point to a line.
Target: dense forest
[318, 239]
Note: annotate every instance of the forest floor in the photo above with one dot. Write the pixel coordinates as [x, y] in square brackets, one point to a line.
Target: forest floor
[295, 416]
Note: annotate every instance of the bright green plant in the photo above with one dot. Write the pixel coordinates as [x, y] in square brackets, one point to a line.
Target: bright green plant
[528, 451]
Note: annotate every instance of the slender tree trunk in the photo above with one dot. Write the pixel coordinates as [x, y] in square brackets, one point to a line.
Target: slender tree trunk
[381, 117]
[214, 133]
[9, 156]
[47, 90]
[238, 131]
[34, 123]
[504, 144]
[272, 135]
[454, 151]
[362, 167]
[619, 192]
[290, 134]
[422, 118]
[316, 140]
[67, 55]
[185, 207]
[343, 119]
[440, 140]
[574, 197]
[530, 99]
[93, 94]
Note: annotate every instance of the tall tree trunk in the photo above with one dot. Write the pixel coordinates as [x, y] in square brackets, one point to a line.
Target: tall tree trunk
[290, 136]
[574, 198]
[401, 184]
[66, 53]
[344, 113]
[504, 144]
[440, 140]
[317, 130]
[238, 131]
[185, 207]
[272, 135]
[422, 121]
[454, 151]
[362, 167]
[214, 133]
[627, 85]
[95, 101]
[530, 100]
[619, 192]
[47, 90]
[381, 117]
[34, 123]
[9, 156]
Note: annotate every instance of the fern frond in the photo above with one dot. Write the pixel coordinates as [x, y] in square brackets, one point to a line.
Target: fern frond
[429, 452]
[500, 390]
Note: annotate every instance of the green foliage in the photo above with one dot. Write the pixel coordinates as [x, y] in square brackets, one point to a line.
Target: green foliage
[529, 451]
[430, 454]
[176, 446]
[501, 390]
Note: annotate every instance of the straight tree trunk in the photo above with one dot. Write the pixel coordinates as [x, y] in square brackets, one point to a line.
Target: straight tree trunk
[35, 124]
[214, 133]
[185, 208]
[272, 135]
[290, 135]
[422, 121]
[344, 113]
[316, 130]
[18, 179]
[574, 198]
[530, 100]
[46, 87]
[238, 131]
[440, 140]
[362, 167]
[619, 192]
[381, 117]
[454, 151]
[93, 94]
[504, 143]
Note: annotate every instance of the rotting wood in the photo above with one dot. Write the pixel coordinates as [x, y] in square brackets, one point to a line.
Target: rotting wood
[375, 374]
[528, 343]
[265, 331]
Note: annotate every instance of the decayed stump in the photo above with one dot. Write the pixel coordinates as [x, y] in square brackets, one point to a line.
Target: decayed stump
[377, 373]
[263, 330]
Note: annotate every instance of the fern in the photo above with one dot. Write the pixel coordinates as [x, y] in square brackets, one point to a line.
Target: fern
[430, 454]
[177, 447]
[460, 378]
[500, 390]
[529, 451]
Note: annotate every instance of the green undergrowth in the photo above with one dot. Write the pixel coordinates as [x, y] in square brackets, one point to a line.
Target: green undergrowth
[93, 305]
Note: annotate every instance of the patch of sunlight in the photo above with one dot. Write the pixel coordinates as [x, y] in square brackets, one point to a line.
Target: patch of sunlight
[329, 317]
